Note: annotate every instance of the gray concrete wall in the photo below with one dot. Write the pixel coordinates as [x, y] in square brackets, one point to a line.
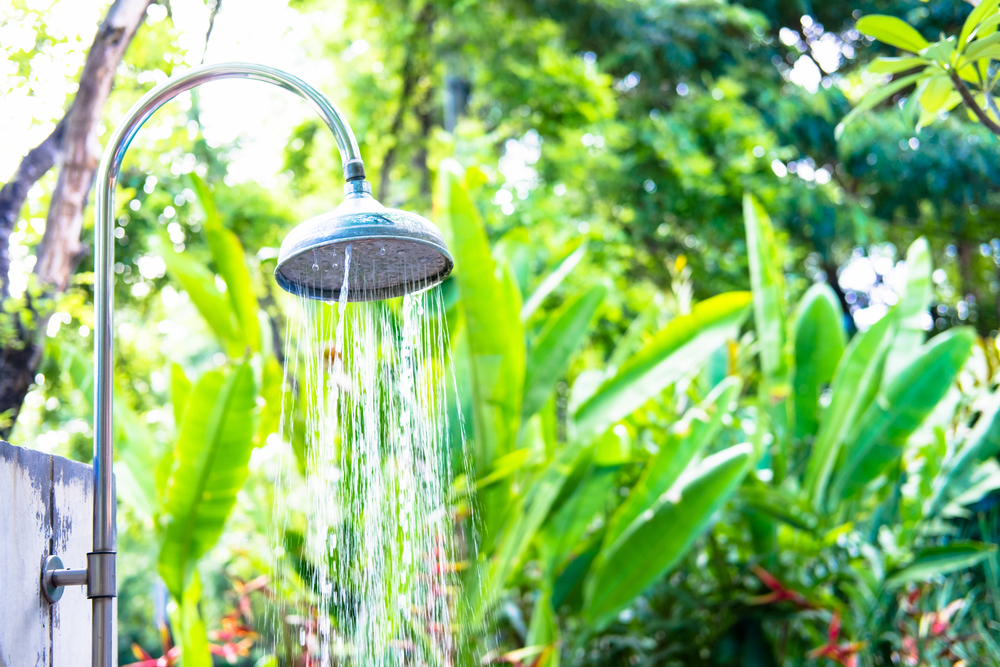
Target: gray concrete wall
[46, 507]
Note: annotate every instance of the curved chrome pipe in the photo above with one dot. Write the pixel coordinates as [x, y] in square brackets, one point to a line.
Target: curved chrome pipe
[101, 586]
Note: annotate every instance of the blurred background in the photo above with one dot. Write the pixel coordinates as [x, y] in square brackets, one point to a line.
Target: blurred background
[727, 371]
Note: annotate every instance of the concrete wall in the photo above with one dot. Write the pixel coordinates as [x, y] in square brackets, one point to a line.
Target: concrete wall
[46, 507]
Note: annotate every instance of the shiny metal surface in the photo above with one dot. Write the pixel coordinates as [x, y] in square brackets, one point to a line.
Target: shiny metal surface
[102, 575]
[105, 536]
[392, 253]
[68, 577]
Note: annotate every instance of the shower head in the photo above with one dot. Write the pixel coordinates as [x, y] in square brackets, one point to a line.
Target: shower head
[391, 252]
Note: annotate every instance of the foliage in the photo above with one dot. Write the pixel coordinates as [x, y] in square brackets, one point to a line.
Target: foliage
[943, 67]
[694, 441]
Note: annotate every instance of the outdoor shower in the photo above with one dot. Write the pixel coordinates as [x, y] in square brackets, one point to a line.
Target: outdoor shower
[398, 252]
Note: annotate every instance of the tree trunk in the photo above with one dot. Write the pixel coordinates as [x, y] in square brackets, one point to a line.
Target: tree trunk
[75, 145]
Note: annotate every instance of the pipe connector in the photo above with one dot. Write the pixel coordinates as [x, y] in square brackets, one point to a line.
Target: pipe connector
[102, 580]
[354, 170]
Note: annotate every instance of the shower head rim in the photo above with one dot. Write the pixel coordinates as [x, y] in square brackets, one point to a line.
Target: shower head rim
[361, 220]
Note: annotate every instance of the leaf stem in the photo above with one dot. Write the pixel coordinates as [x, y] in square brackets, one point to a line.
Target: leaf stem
[970, 102]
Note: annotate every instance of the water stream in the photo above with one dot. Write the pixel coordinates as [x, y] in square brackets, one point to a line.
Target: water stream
[364, 533]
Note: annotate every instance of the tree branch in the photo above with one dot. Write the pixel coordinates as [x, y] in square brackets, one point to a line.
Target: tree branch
[412, 73]
[75, 144]
[211, 26]
[970, 102]
[33, 166]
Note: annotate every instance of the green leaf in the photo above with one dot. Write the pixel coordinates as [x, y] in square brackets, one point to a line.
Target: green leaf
[895, 65]
[980, 442]
[854, 385]
[936, 93]
[228, 257]
[681, 348]
[686, 441]
[983, 10]
[180, 391]
[212, 456]
[941, 560]
[504, 467]
[911, 310]
[896, 413]
[544, 629]
[514, 250]
[655, 544]
[940, 52]
[877, 97]
[819, 344]
[523, 522]
[199, 283]
[191, 628]
[559, 340]
[490, 305]
[981, 48]
[892, 31]
[272, 385]
[567, 525]
[553, 280]
[767, 281]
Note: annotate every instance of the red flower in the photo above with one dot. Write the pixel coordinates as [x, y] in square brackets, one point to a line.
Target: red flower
[843, 654]
[779, 593]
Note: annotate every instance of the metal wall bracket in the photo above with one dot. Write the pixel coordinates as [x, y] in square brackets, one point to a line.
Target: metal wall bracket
[55, 578]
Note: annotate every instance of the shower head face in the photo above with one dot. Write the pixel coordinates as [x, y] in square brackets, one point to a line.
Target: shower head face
[391, 253]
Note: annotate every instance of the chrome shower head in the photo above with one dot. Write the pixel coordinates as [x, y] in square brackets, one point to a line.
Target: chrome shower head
[392, 252]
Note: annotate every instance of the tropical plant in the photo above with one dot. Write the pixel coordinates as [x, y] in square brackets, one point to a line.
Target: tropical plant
[836, 435]
[942, 71]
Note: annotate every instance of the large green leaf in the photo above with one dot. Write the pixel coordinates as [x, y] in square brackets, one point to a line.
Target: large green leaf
[684, 443]
[876, 97]
[211, 464]
[892, 31]
[230, 263]
[199, 283]
[681, 348]
[560, 338]
[553, 279]
[655, 544]
[935, 561]
[820, 339]
[912, 308]
[523, 521]
[895, 65]
[983, 10]
[514, 250]
[190, 627]
[767, 281]
[490, 304]
[979, 443]
[854, 386]
[567, 524]
[898, 410]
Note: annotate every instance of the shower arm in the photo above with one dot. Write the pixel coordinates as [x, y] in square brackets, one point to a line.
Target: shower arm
[100, 574]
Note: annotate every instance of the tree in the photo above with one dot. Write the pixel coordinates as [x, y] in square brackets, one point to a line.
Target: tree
[74, 146]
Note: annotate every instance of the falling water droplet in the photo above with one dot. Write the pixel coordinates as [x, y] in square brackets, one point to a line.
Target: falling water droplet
[315, 267]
